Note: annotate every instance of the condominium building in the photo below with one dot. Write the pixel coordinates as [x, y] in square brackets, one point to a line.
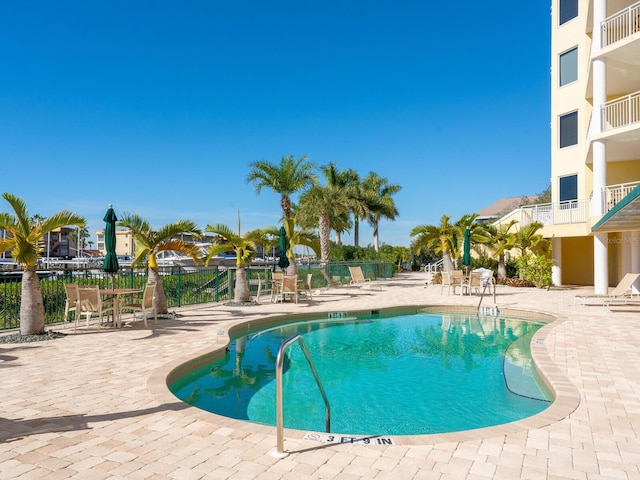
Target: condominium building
[594, 217]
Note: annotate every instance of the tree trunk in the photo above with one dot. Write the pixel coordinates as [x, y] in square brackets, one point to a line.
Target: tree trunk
[241, 292]
[502, 269]
[324, 228]
[159, 299]
[31, 305]
[338, 238]
[376, 240]
[292, 269]
[356, 231]
[447, 263]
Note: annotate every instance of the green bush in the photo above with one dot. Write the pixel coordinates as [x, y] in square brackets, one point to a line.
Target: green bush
[535, 269]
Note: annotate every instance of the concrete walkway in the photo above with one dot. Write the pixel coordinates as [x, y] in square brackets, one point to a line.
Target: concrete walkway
[94, 405]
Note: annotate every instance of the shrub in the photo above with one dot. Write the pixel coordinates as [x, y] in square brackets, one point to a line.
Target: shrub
[535, 269]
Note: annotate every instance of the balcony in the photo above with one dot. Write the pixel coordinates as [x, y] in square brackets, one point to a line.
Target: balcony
[621, 25]
[557, 213]
[621, 112]
[613, 194]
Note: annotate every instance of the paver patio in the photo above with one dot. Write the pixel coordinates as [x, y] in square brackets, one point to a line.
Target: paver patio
[93, 405]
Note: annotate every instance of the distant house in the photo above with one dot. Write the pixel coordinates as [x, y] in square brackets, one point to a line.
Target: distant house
[502, 207]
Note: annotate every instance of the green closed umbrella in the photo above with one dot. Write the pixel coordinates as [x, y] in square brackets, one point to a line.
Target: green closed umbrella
[466, 248]
[283, 245]
[110, 263]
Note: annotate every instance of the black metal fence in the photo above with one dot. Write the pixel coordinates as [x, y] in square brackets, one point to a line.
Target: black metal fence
[182, 285]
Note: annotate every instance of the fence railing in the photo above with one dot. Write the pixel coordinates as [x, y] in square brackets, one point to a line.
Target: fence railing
[182, 287]
[612, 194]
[621, 112]
[558, 213]
[621, 25]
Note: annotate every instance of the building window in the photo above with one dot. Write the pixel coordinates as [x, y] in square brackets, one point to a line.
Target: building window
[569, 66]
[569, 129]
[568, 10]
[568, 192]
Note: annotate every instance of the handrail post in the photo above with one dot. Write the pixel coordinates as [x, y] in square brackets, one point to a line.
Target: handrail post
[279, 396]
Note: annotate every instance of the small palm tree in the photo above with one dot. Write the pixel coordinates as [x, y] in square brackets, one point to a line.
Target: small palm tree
[25, 242]
[479, 235]
[245, 250]
[501, 241]
[296, 235]
[149, 242]
[441, 239]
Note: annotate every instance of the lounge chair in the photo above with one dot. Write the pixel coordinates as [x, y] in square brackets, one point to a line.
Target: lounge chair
[331, 283]
[358, 279]
[621, 291]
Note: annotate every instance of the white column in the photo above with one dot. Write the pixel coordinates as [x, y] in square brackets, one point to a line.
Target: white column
[599, 71]
[600, 264]
[556, 268]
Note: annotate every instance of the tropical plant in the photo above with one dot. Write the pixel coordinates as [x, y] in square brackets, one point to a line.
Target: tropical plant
[149, 242]
[479, 235]
[379, 188]
[296, 235]
[291, 176]
[441, 239]
[245, 249]
[24, 241]
[535, 268]
[501, 241]
[324, 206]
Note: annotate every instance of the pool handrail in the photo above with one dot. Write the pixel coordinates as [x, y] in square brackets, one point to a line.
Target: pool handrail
[279, 399]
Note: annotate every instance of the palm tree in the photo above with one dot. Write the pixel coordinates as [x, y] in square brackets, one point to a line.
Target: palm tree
[441, 239]
[296, 235]
[289, 177]
[527, 238]
[245, 249]
[149, 242]
[501, 241]
[379, 188]
[24, 240]
[479, 235]
[323, 205]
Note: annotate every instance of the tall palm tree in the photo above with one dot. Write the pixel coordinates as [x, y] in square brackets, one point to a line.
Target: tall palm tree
[24, 240]
[290, 177]
[149, 242]
[245, 249]
[501, 240]
[379, 188]
[324, 206]
[441, 239]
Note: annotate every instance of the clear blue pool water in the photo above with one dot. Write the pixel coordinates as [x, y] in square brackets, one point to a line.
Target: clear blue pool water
[397, 375]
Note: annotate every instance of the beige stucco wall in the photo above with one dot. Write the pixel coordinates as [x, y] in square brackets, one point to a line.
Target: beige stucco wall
[577, 261]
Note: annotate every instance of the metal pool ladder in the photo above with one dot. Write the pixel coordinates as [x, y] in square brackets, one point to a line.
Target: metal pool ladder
[279, 407]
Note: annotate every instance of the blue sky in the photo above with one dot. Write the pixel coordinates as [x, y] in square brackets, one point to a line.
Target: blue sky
[172, 100]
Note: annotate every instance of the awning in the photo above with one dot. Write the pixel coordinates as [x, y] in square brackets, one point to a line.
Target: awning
[624, 216]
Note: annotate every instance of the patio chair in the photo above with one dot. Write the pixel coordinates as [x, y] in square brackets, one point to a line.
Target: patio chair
[71, 291]
[474, 283]
[90, 303]
[289, 288]
[451, 280]
[276, 285]
[357, 278]
[144, 304]
[622, 290]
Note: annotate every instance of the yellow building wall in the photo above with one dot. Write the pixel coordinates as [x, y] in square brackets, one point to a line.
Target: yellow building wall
[623, 172]
[577, 261]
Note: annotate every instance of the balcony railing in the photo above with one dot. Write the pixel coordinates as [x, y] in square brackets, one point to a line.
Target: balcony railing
[621, 25]
[612, 194]
[559, 213]
[621, 112]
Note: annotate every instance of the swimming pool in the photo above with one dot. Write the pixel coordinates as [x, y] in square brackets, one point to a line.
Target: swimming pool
[401, 374]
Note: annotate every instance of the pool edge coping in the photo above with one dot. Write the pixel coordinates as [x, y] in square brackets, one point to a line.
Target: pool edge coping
[566, 395]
